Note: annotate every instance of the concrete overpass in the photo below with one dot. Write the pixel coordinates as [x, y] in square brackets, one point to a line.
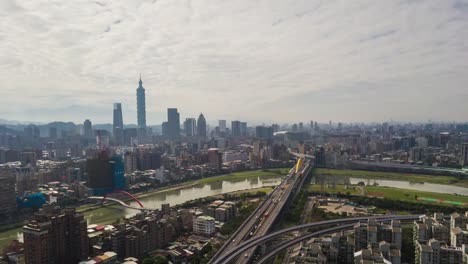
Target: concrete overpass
[344, 223]
[262, 219]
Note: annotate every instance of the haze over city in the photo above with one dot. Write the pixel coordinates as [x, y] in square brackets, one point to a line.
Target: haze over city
[262, 61]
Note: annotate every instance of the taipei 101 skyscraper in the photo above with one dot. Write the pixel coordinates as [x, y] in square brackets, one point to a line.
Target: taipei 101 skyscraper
[141, 105]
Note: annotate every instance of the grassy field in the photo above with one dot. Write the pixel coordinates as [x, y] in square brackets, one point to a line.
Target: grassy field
[244, 175]
[394, 176]
[392, 193]
[409, 195]
[338, 189]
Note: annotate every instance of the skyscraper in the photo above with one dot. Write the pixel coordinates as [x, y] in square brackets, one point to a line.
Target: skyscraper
[118, 124]
[87, 129]
[236, 128]
[201, 125]
[141, 105]
[243, 129]
[222, 125]
[173, 123]
[190, 127]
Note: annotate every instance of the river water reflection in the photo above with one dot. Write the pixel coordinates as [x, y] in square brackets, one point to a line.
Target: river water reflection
[179, 196]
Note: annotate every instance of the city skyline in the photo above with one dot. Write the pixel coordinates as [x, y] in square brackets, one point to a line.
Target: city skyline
[358, 62]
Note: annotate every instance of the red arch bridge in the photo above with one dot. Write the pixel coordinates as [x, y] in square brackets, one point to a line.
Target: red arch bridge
[108, 197]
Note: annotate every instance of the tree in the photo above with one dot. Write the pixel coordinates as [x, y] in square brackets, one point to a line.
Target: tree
[160, 260]
[156, 260]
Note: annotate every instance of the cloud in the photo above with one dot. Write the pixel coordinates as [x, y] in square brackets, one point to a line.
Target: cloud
[292, 60]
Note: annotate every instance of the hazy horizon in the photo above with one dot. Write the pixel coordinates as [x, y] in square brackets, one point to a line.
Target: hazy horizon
[277, 61]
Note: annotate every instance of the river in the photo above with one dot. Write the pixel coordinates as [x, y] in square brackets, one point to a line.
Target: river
[426, 187]
[108, 214]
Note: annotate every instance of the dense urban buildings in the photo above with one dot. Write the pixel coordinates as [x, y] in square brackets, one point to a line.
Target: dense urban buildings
[62, 164]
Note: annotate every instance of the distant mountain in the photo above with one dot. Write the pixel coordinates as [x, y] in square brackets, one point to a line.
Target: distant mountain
[15, 122]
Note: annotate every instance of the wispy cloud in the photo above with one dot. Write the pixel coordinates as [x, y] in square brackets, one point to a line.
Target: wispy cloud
[260, 60]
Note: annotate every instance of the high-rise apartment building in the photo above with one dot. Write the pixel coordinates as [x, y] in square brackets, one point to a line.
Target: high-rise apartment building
[52, 132]
[201, 125]
[464, 154]
[56, 236]
[141, 105]
[7, 193]
[118, 124]
[87, 129]
[215, 158]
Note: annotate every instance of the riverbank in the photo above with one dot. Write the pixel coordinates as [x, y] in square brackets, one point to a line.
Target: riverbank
[97, 214]
[414, 178]
[394, 194]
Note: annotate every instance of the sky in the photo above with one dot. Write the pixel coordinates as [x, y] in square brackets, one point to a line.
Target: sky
[254, 60]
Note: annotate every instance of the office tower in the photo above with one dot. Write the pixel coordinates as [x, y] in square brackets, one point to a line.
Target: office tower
[236, 128]
[190, 127]
[87, 129]
[141, 105]
[53, 132]
[201, 125]
[165, 129]
[464, 154]
[7, 193]
[173, 123]
[301, 126]
[264, 132]
[56, 236]
[222, 125]
[118, 124]
[243, 129]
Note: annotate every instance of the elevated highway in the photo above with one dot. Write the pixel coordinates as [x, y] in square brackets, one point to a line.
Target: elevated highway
[262, 219]
[344, 223]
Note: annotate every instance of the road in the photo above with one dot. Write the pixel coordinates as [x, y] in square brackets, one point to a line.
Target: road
[261, 220]
[307, 209]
